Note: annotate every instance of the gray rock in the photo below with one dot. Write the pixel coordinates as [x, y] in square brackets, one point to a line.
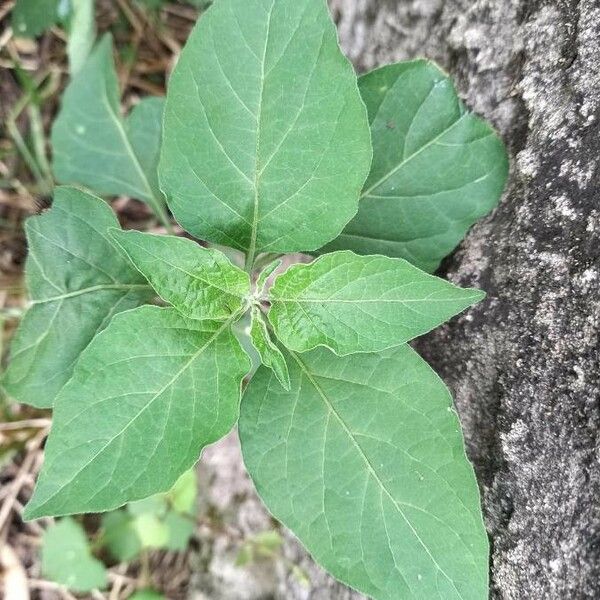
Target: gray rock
[524, 365]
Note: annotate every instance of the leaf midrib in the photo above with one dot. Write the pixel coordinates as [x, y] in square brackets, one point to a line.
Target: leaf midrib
[92, 289]
[194, 276]
[331, 410]
[367, 301]
[257, 170]
[406, 160]
[194, 356]
[119, 123]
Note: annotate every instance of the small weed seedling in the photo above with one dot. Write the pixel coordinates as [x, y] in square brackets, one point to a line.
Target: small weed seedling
[163, 521]
[269, 145]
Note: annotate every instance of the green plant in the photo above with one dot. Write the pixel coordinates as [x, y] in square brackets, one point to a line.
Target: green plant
[164, 521]
[30, 18]
[97, 147]
[348, 435]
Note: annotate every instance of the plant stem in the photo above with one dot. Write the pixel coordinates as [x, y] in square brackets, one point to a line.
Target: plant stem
[249, 265]
[39, 141]
[144, 578]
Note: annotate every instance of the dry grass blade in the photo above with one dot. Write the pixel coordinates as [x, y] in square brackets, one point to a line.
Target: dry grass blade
[13, 576]
[24, 474]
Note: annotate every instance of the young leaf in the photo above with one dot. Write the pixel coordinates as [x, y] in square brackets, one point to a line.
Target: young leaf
[119, 536]
[436, 167]
[264, 275]
[146, 396]
[200, 283]
[352, 303]
[94, 146]
[67, 559]
[150, 530]
[31, 18]
[182, 496]
[180, 529]
[77, 280]
[270, 355]
[364, 461]
[264, 125]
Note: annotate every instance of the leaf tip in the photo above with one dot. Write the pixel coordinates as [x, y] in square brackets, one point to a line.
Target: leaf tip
[32, 512]
[477, 295]
[285, 383]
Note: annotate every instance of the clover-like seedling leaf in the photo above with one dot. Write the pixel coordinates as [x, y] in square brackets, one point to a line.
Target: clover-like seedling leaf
[67, 558]
[201, 283]
[270, 354]
[146, 396]
[119, 536]
[77, 280]
[180, 527]
[351, 303]
[264, 126]
[94, 146]
[160, 521]
[263, 276]
[437, 168]
[364, 461]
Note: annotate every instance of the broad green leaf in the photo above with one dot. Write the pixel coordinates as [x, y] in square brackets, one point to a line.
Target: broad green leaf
[437, 168]
[67, 559]
[201, 283]
[351, 303]
[270, 355]
[82, 33]
[266, 143]
[146, 396]
[94, 146]
[77, 280]
[31, 18]
[363, 460]
[119, 536]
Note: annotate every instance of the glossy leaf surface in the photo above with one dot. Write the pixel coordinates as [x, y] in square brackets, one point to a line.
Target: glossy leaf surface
[270, 355]
[264, 126]
[437, 168]
[146, 396]
[364, 461]
[77, 280]
[351, 303]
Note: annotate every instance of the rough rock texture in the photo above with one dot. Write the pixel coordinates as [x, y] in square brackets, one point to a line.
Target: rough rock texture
[524, 365]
